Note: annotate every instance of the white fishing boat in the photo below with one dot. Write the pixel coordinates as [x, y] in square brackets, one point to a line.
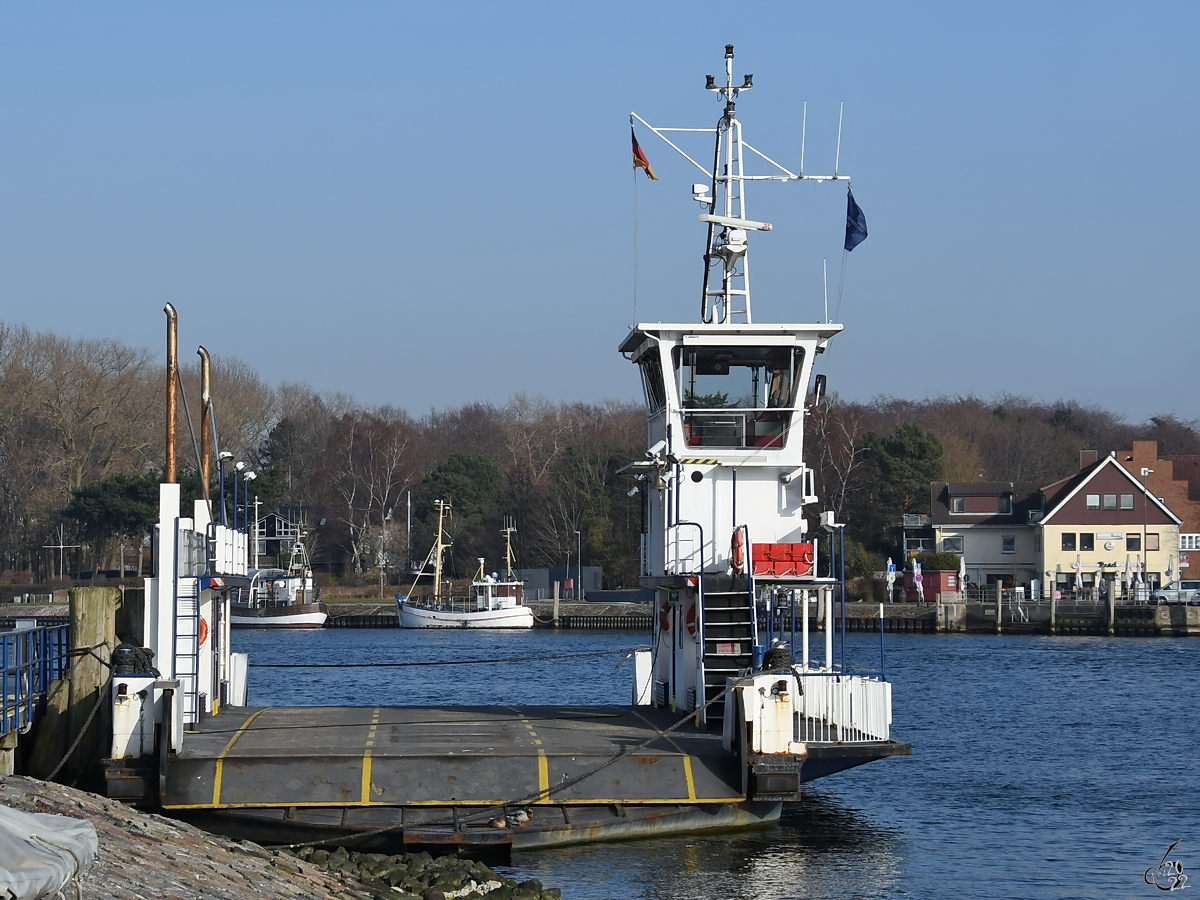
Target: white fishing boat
[279, 598]
[493, 601]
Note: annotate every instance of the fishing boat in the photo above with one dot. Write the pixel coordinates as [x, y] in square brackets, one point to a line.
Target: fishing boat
[493, 601]
[279, 598]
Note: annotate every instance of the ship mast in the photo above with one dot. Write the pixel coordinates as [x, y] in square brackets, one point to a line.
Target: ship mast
[726, 245]
[725, 295]
[508, 530]
[442, 544]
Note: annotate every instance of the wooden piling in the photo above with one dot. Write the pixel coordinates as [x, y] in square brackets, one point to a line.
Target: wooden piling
[93, 639]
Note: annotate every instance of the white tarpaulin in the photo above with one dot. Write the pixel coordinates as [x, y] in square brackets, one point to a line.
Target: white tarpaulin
[40, 854]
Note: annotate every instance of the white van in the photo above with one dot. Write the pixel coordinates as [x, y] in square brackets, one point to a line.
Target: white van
[1186, 591]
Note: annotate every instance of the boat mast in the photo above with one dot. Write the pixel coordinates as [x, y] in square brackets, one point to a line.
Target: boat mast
[441, 545]
[508, 530]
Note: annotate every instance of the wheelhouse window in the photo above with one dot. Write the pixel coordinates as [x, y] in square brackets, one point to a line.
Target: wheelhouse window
[652, 380]
[737, 396]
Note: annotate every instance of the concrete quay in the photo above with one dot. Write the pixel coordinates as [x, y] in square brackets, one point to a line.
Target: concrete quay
[1062, 617]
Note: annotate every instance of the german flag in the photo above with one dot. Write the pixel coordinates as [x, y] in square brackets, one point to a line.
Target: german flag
[639, 158]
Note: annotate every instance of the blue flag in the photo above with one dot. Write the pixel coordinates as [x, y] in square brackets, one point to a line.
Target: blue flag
[856, 222]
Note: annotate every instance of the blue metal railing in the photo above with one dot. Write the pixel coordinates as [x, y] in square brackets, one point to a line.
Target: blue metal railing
[31, 659]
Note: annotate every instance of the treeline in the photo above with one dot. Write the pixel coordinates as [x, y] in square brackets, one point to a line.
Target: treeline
[82, 450]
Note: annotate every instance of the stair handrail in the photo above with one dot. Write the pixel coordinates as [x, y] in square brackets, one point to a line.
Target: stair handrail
[701, 714]
[756, 657]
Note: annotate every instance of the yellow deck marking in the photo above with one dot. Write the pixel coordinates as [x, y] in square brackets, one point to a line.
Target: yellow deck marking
[366, 768]
[221, 756]
[687, 774]
[687, 760]
[543, 765]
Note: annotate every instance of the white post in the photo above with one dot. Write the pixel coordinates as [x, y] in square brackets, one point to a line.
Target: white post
[828, 629]
[804, 631]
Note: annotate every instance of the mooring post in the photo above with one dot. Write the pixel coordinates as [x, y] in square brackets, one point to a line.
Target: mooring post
[1112, 612]
[1053, 611]
[556, 587]
[93, 638]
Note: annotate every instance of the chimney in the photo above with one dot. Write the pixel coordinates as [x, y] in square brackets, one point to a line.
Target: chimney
[1088, 458]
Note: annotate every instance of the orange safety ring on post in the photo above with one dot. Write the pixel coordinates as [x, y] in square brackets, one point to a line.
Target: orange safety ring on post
[737, 552]
[203, 630]
[691, 619]
[664, 619]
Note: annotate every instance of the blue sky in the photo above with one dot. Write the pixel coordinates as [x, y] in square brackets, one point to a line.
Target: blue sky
[431, 204]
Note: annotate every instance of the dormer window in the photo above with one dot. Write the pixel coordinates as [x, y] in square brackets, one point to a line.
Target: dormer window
[957, 505]
[1004, 505]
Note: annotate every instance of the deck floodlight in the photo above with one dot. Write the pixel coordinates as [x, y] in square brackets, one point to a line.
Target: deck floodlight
[748, 82]
[710, 83]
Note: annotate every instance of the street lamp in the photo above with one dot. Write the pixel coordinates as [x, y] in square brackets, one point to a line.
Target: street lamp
[578, 566]
[567, 570]
[221, 457]
[246, 479]
[237, 467]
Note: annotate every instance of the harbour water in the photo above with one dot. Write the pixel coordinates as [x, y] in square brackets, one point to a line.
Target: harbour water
[1042, 767]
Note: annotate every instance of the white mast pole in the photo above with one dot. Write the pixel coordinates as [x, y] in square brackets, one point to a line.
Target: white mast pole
[837, 158]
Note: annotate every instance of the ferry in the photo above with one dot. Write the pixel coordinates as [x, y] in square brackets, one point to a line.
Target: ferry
[729, 714]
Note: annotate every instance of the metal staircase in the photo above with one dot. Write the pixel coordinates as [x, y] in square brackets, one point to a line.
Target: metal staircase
[729, 627]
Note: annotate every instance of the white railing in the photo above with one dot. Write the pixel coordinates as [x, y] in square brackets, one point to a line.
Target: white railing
[844, 709]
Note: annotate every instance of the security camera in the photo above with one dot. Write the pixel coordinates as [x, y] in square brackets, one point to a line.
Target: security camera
[656, 449]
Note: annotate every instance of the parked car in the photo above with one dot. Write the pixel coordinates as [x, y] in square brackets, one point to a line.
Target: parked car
[1186, 591]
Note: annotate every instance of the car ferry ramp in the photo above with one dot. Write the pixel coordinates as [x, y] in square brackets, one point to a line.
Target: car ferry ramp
[498, 775]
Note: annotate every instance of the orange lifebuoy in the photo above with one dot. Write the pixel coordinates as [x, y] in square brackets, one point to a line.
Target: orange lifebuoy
[737, 552]
[203, 630]
[690, 620]
[664, 618]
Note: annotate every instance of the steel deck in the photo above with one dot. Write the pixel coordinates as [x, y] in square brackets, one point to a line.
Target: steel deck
[446, 756]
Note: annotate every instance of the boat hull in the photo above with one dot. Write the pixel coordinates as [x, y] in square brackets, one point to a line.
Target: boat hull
[425, 617]
[300, 615]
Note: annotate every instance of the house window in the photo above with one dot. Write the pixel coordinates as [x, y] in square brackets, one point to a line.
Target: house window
[1189, 542]
[1068, 540]
[1127, 501]
[956, 505]
[1004, 505]
[1133, 542]
[1087, 541]
[1093, 501]
[1110, 501]
[952, 544]
[1151, 542]
[1008, 544]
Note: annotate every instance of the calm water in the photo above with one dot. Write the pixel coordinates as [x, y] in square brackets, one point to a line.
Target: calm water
[1042, 767]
